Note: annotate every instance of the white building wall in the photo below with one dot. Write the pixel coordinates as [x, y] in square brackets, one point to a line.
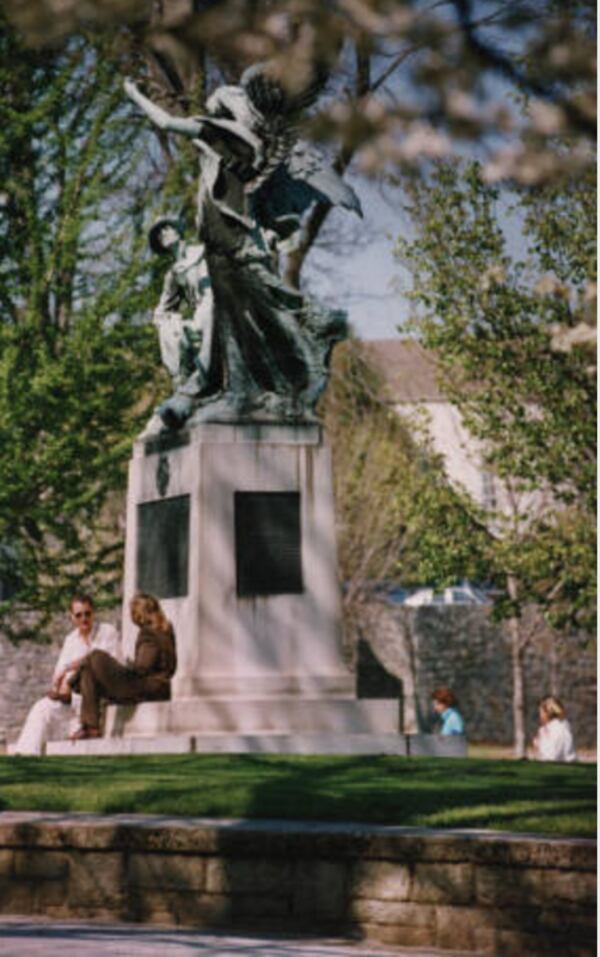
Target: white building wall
[452, 441]
[464, 465]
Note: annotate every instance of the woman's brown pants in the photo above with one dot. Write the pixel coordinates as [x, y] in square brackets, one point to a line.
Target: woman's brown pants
[102, 676]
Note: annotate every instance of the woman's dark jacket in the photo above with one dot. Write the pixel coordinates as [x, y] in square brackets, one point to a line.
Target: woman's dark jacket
[155, 661]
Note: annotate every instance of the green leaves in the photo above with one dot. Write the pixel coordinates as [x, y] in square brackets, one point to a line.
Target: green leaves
[491, 319]
[398, 518]
[78, 364]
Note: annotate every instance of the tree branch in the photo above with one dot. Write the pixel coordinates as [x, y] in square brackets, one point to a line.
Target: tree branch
[501, 64]
[319, 214]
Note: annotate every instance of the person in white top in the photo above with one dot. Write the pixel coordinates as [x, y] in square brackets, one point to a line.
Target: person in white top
[49, 712]
[554, 738]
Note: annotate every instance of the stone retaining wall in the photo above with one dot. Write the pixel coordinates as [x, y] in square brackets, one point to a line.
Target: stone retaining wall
[461, 646]
[492, 894]
[27, 669]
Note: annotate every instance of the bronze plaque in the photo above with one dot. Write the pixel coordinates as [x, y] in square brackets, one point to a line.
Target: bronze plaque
[163, 546]
[268, 543]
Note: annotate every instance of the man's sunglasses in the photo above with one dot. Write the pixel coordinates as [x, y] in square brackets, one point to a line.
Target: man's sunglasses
[82, 614]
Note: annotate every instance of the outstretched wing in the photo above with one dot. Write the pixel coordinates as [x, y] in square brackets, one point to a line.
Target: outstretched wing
[310, 166]
[280, 101]
[300, 181]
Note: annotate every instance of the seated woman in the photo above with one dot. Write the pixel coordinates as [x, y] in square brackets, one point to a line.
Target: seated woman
[148, 678]
[444, 704]
[554, 738]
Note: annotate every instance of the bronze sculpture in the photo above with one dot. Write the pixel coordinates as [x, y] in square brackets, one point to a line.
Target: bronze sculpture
[263, 354]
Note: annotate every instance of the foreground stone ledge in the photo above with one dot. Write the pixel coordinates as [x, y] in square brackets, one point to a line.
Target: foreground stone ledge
[54, 829]
[489, 893]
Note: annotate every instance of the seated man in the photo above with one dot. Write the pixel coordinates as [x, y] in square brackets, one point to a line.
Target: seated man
[59, 703]
[147, 678]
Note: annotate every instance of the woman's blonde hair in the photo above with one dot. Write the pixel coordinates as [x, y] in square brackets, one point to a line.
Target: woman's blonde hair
[552, 706]
[146, 612]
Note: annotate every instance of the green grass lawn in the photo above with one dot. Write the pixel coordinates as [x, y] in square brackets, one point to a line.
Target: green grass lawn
[430, 792]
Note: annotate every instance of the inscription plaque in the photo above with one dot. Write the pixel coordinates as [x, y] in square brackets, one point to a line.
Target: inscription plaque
[163, 546]
[267, 543]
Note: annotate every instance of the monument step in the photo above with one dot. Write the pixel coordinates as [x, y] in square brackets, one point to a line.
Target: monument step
[286, 714]
[264, 686]
[267, 743]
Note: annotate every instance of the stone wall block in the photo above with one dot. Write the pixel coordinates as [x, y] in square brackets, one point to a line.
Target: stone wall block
[320, 889]
[369, 912]
[96, 879]
[399, 936]
[516, 943]
[562, 886]
[259, 907]
[534, 887]
[553, 922]
[580, 950]
[382, 880]
[17, 897]
[26, 830]
[147, 906]
[62, 911]
[566, 854]
[6, 863]
[190, 909]
[54, 893]
[202, 910]
[484, 939]
[241, 876]
[564, 921]
[41, 865]
[440, 847]
[166, 871]
[165, 839]
[463, 928]
[443, 883]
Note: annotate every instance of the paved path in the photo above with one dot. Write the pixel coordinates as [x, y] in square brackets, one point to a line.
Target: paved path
[20, 937]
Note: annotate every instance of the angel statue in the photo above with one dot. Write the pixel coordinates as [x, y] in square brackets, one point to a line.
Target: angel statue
[267, 355]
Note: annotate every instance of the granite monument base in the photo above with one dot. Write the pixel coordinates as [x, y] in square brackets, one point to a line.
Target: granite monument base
[232, 528]
[323, 742]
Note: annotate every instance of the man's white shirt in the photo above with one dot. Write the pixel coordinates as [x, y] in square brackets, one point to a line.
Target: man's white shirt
[104, 637]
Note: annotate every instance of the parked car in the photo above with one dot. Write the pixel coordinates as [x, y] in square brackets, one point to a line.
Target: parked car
[463, 594]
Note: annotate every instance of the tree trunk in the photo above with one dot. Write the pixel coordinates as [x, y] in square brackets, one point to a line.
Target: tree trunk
[518, 682]
[517, 643]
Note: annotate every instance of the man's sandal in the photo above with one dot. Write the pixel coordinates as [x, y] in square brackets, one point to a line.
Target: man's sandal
[63, 696]
[82, 734]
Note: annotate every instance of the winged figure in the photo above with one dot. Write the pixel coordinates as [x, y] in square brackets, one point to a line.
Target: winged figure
[270, 347]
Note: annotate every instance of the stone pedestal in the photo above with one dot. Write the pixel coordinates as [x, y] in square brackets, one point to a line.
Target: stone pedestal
[227, 642]
[232, 528]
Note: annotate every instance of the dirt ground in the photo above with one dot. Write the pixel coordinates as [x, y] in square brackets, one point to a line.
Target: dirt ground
[499, 752]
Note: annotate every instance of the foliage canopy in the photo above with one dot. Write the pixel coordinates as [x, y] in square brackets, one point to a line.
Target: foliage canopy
[74, 358]
[491, 318]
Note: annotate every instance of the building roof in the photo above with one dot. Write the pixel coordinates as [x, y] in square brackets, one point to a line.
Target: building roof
[408, 369]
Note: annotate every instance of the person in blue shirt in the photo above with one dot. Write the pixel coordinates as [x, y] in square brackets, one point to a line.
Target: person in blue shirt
[444, 704]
